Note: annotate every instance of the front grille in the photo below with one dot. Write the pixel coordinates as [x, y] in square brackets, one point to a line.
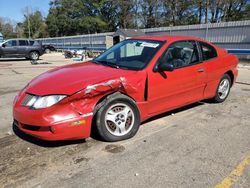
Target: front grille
[31, 127]
[26, 99]
[19, 125]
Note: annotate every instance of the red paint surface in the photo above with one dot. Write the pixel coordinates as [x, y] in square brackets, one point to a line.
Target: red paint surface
[178, 88]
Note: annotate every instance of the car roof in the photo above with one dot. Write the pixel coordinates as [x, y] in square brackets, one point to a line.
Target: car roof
[172, 38]
[167, 38]
[19, 39]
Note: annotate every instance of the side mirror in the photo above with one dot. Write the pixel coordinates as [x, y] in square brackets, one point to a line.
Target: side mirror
[3, 45]
[165, 67]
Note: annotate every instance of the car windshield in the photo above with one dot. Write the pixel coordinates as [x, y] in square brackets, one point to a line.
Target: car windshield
[130, 54]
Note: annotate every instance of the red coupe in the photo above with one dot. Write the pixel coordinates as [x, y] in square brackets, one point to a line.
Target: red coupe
[134, 80]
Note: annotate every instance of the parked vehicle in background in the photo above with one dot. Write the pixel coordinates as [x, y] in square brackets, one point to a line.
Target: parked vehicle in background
[30, 49]
[48, 48]
[1, 37]
[129, 83]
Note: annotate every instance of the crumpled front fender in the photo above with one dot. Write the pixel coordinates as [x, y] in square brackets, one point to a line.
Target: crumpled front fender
[84, 101]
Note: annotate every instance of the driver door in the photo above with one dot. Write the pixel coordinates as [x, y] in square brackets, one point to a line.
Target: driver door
[184, 85]
[9, 48]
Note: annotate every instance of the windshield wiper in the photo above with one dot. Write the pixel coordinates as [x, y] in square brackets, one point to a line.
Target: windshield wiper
[108, 63]
[96, 62]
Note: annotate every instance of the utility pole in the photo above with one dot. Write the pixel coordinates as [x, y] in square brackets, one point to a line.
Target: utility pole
[29, 22]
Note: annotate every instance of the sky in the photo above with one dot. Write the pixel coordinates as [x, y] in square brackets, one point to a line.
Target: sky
[13, 9]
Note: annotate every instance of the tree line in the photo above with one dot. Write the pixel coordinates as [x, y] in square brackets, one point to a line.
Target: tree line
[73, 17]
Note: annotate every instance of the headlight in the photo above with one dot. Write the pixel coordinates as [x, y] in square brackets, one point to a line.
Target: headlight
[37, 102]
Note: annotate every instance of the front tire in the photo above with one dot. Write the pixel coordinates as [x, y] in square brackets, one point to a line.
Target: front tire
[118, 119]
[34, 55]
[223, 89]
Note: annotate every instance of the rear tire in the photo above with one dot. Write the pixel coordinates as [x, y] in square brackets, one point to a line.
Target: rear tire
[223, 89]
[117, 119]
[34, 55]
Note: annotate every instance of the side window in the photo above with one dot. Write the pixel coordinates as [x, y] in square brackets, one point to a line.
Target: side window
[23, 43]
[10, 43]
[181, 54]
[208, 52]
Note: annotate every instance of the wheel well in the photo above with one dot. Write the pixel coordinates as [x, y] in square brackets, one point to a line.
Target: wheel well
[101, 100]
[231, 75]
[34, 51]
[98, 105]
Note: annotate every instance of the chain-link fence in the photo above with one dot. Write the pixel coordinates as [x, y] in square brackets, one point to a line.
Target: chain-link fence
[234, 36]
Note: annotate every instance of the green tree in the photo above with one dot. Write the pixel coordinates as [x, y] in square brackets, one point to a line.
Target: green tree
[19, 30]
[180, 12]
[108, 10]
[233, 10]
[34, 25]
[125, 13]
[247, 12]
[70, 17]
[7, 28]
[151, 13]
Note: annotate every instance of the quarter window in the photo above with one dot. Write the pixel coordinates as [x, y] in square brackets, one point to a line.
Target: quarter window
[208, 52]
[181, 54]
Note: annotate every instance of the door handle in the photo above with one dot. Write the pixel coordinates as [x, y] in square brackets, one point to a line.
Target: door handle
[200, 70]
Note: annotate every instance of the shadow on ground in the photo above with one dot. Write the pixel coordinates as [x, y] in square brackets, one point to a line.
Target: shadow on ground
[13, 59]
[43, 143]
[94, 133]
[38, 62]
[176, 111]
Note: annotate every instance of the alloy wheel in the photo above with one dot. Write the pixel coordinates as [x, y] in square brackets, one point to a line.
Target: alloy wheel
[223, 88]
[119, 119]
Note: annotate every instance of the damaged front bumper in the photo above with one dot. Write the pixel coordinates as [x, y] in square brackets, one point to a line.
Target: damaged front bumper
[59, 122]
[72, 117]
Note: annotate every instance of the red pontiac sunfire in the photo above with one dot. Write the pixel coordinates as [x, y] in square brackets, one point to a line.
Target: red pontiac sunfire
[136, 79]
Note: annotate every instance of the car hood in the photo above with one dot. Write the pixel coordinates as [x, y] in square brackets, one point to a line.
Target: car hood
[70, 79]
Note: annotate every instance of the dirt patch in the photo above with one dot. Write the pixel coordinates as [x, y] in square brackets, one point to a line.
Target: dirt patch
[243, 83]
[7, 141]
[15, 72]
[245, 89]
[5, 65]
[4, 92]
[21, 161]
[81, 159]
[112, 148]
